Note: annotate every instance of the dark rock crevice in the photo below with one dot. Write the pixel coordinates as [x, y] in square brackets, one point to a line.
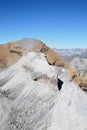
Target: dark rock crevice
[59, 83]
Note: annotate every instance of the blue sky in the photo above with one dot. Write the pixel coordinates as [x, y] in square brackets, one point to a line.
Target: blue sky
[58, 23]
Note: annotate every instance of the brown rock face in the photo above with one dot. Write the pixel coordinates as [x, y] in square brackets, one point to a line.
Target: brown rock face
[77, 77]
[9, 54]
[52, 57]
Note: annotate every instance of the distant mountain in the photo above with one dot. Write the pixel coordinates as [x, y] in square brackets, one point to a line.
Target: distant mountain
[75, 57]
[72, 52]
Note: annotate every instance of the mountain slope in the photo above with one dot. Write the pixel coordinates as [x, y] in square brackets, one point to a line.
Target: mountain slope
[30, 99]
[13, 51]
[16, 49]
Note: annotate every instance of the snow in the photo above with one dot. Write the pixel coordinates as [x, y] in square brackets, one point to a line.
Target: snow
[70, 111]
[26, 104]
[38, 63]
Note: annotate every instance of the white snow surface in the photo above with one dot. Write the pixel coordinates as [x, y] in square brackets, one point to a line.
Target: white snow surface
[70, 111]
[28, 100]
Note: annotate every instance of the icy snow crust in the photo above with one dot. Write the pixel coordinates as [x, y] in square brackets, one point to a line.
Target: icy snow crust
[29, 100]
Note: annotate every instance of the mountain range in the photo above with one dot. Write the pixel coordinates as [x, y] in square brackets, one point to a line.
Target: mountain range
[72, 52]
[75, 57]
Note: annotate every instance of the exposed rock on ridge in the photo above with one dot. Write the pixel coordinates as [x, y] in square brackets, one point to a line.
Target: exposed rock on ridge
[17, 48]
[51, 56]
[9, 54]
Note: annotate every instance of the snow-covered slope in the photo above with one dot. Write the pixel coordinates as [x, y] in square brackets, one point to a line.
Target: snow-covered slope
[30, 99]
[70, 110]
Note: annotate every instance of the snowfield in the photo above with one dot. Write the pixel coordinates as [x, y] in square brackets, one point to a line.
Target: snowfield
[70, 111]
[30, 99]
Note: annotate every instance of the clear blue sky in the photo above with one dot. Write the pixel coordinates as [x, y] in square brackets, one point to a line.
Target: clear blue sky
[58, 23]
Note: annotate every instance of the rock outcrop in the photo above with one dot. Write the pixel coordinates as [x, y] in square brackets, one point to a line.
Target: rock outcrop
[52, 57]
[9, 54]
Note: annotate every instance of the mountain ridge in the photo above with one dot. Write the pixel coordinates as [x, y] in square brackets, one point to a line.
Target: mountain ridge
[30, 99]
[15, 50]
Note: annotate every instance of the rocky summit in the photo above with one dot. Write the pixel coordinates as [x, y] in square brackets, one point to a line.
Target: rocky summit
[39, 90]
